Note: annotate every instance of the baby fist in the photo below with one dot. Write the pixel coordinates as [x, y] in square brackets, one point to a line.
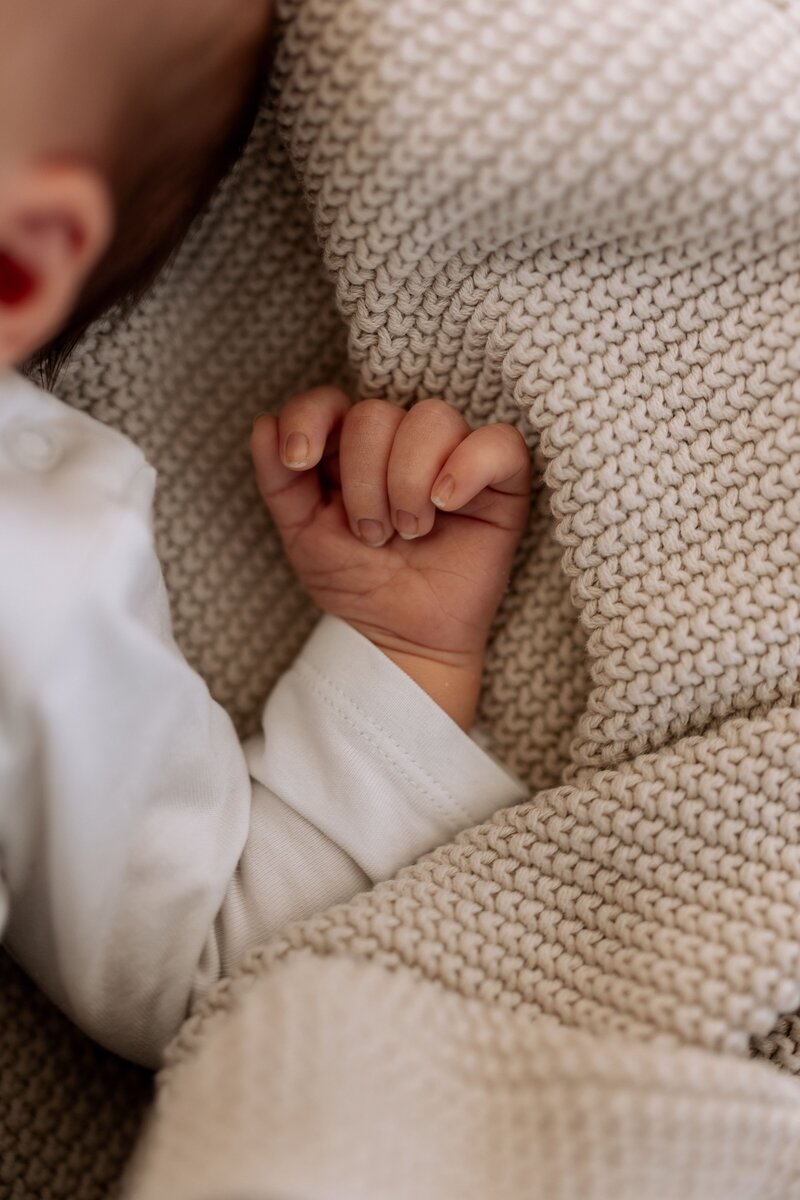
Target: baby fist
[403, 523]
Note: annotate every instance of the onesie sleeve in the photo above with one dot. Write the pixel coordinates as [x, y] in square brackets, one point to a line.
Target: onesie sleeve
[377, 752]
[145, 849]
[357, 773]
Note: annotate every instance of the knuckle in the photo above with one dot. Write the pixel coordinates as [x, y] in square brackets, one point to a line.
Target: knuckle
[438, 414]
[373, 410]
[262, 433]
[297, 404]
[322, 403]
[325, 393]
[360, 490]
[430, 405]
[513, 437]
[403, 492]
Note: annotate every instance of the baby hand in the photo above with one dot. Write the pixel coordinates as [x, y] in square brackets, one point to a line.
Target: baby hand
[403, 523]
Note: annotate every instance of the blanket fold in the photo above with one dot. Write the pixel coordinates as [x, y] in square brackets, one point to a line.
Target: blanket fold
[373, 1084]
[584, 218]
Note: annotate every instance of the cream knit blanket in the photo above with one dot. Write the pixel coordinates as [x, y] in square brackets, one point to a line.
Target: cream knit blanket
[584, 217]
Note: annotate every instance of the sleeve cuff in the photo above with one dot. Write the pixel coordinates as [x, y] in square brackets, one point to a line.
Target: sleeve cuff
[355, 746]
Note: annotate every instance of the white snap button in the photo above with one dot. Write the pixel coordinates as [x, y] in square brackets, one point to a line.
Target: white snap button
[32, 447]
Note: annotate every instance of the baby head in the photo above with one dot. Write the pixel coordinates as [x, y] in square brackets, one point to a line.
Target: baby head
[116, 122]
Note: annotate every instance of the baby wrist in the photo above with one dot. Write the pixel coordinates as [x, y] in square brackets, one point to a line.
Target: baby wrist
[455, 688]
[452, 680]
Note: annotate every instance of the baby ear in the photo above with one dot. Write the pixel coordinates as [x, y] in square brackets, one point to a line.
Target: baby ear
[56, 222]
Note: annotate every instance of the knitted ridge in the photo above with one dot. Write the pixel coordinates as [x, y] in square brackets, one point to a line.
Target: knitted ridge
[623, 264]
[660, 900]
[581, 217]
[245, 317]
[69, 1112]
[332, 1079]
[623, 268]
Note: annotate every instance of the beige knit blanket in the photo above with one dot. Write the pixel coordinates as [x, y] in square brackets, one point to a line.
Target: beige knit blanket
[584, 217]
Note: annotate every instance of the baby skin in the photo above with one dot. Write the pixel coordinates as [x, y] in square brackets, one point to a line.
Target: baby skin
[144, 848]
[402, 523]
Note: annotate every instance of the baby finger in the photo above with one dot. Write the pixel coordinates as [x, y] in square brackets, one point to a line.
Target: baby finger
[494, 456]
[427, 437]
[305, 424]
[366, 445]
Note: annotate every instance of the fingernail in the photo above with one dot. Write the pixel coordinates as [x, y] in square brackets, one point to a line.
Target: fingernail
[295, 451]
[406, 524]
[444, 491]
[258, 417]
[372, 532]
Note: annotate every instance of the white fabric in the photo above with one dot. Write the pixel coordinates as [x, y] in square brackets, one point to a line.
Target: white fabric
[140, 857]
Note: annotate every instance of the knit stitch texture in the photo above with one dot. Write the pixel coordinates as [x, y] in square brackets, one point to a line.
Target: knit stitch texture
[582, 218]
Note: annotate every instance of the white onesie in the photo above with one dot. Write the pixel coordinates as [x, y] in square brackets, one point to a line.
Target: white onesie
[143, 849]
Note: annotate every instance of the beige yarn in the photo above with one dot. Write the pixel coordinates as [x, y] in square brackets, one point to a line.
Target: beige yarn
[638, 297]
[583, 217]
[371, 1084]
[69, 1112]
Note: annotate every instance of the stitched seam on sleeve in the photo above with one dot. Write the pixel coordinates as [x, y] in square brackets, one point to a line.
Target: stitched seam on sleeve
[457, 809]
